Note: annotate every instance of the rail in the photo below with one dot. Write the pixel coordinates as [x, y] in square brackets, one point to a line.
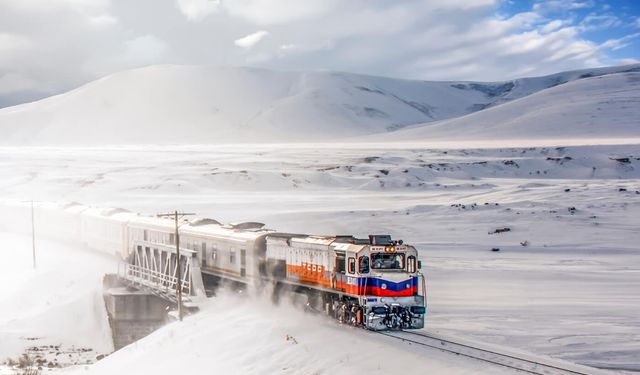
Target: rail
[500, 359]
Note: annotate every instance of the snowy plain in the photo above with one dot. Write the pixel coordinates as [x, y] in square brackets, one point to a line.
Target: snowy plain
[570, 294]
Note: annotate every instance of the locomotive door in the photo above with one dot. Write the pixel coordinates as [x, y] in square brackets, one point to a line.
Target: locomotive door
[340, 270]
[243, 262]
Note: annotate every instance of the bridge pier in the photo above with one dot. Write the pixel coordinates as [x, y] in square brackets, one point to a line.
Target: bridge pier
[133, 314]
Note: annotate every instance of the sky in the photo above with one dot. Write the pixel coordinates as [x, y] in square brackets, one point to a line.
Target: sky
[52, 46]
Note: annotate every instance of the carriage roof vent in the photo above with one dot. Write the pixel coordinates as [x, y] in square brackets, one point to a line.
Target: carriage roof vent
[248, 225]
[204, 221]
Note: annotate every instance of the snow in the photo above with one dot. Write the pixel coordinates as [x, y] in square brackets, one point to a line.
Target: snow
[59, 303]
[236, 335]
[554, 159]
[570, 294]
[173, 104]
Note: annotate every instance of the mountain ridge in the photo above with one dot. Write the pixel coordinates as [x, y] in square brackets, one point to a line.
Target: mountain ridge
[204, 104]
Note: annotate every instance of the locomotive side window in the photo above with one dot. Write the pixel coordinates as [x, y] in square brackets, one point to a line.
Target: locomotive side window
[340, 258]
[411, 264]
[352, 265]
[363, 264]
[387, 261]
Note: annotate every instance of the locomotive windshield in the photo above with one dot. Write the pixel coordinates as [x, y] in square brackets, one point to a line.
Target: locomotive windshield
[386, 261]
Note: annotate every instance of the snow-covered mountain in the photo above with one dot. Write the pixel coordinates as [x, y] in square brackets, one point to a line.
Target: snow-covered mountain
[195, 104]
[596, 108]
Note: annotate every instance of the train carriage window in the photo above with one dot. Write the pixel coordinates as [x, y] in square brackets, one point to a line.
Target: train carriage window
[172, 239]
[387, 261]
[411, 264]
[146, 235]
[363, 264]
[352, 265]
[340, 258]
[232, 256]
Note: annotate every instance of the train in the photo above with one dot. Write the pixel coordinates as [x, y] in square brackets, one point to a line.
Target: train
[373, 282]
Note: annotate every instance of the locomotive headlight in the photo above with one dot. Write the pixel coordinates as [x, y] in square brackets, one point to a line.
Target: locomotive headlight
[383, 286]
[408, 286]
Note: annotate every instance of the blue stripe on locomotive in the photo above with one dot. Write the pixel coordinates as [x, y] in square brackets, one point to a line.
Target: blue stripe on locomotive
[391, 286]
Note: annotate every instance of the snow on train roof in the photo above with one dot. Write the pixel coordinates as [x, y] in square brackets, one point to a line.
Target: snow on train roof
[227, 231]
[203, 226]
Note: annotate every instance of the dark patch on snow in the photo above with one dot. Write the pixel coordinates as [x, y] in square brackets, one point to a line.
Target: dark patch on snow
[622, 160]
[478, 107]
[370, 159]
[366, 111]
[489, 89]
[500, 230]
[511, 162]
[372, 112]
[422, 107]
[366, 89]
[394, 127]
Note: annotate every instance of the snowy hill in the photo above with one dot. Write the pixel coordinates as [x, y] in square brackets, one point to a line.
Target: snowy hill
[194, 104]
[597, 108]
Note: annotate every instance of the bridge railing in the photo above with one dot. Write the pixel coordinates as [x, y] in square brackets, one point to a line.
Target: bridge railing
[155, 280]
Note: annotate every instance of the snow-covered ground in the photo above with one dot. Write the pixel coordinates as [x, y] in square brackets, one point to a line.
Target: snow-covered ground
[571, 293]
[252, 336]
[54, 313]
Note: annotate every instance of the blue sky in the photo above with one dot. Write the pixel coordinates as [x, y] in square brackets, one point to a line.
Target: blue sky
[600, 21]
[51, 46]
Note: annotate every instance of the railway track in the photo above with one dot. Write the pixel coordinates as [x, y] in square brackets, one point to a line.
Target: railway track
[511, 361]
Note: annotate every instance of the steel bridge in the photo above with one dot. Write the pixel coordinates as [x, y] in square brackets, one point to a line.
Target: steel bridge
[154, 267]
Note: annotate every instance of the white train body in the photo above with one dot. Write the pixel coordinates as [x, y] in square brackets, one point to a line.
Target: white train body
[377, 279]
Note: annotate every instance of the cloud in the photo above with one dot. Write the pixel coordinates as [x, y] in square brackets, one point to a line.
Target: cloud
[14, 82]
[561, 5]
[415, 39]
[593, 22]
[552, 26]
[273, 12]
[628, 61]
[251, 40]
[144, 50]
[619, 43]
[13, 42]
[197, 10]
